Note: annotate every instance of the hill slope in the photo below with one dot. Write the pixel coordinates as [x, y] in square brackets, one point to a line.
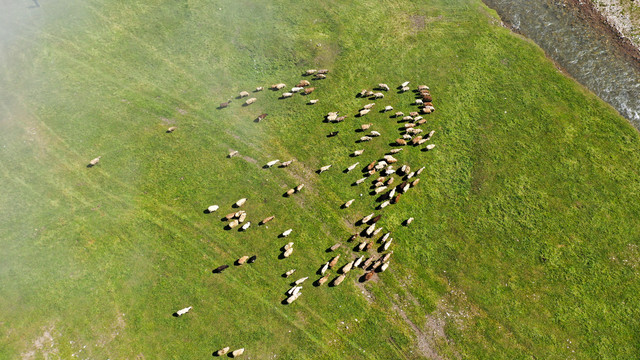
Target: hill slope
[526, 233]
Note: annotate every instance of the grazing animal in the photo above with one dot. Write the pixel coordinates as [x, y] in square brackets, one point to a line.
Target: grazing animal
[250, 101]
[340, 119]
[404, 84]
[378, 95]
[230, 216]
[183, 311]
[360, 181]
[332, 116]
[368, 276]
[387, 256]
[348, 203]
[390, 159]
[384, 205]
[376, 219]
[420, 170]
[405, 89]
[364, 112]
[286, 163]
[386, 245]
[353, 237]
[421, 121]
[409, 125]
[286, 95]
[242, 217]
[430, 147]
[396, 199]
[375, 134]
[278, 86]
[293, 298]
[288, 246]
[407, 118]
[334, 261]
[408, 221]
[370, 229]
[384, 267]
[287, 232]
[243, 94]
[371, 165]
[311, 72]
[419, 102]
[324, 168]
[242, 260]
[358, 261]
[358, 152]
[290, 192]
[289, 273]
[308, 91]
[390, 181]
[95, 161]
[294, 290]
[233, 153]
[395, 151]
[383, 87]
[259, 88]
[240, 202]
[410, 175]
[266, 220]
[296, 89]
[365, 126]
[430, 134]
[385, 237]
[367, 218]
[365, 138]
[352, 166]
[321, 76]
[222, 351]
[261, 117]
[225, 104]
[414, 114]
[323, 71]
[212, 208]
[337, 281]
[323, 279]
[246, 226]
[220, 268]
[324, 268]
[335, 246]
[233, 224]
[347, 267]
[299, 187]
[273, 162]
[423, 87]
[301, 280]
[171, 129]
[314, 101]
[288, 253]
[388, 108]
[401, 142]
[398, 114]
[236, 353]
[303, 83]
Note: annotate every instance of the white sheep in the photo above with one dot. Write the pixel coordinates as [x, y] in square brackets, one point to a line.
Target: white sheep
[364, 112]
[301, 280]
[289, 273]
[296, 89]
[311, 71]
[384, 205]
[375, 134]
[259, 88]
[324, 168]
[378, 95]
[385, 237]
[250, 101]
[383, 87]
[324, 268]
[370, 229]
[212, 208]
[353, 166]
[299, 187]
[366, 218]
[95, 161]
[358, 152]
[287, 95]
[430, 146]
[222, 351]
[360, 181]
[365, 138]
[380, 189]
[339, 280]
[420, 170]
[183, 311]
[378, 230]
[244, 94]
[384, 267]
[287, 232]
[419, 102]
[288, 246]
[386, 245]
[273, 162]
[388, 108]
[314, 101]
[294, 290]
[395, 151]
[288, 253]
[238, 352]
[358, 261]
[369, 106]
[348, 266]
[348, 203]
[409, 221]
[246, 226]
[241, 202]
[404, 89]
[404, 84]
[293, 298]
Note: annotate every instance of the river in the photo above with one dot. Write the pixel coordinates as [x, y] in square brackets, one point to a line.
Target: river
[589, 54]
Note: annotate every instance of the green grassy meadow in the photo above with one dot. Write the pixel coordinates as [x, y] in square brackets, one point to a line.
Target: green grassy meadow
[527, 219]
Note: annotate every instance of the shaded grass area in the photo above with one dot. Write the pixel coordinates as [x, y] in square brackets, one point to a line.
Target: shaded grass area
[525, 239]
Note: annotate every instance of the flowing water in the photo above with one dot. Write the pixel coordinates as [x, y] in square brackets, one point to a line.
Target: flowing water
[589, 55]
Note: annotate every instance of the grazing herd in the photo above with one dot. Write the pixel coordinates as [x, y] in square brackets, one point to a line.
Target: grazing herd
[383, 186]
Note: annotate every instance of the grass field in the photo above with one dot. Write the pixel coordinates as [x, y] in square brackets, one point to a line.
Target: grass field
[525, 243]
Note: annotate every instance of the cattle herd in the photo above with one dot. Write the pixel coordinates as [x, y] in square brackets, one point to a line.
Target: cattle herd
[371, 247]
